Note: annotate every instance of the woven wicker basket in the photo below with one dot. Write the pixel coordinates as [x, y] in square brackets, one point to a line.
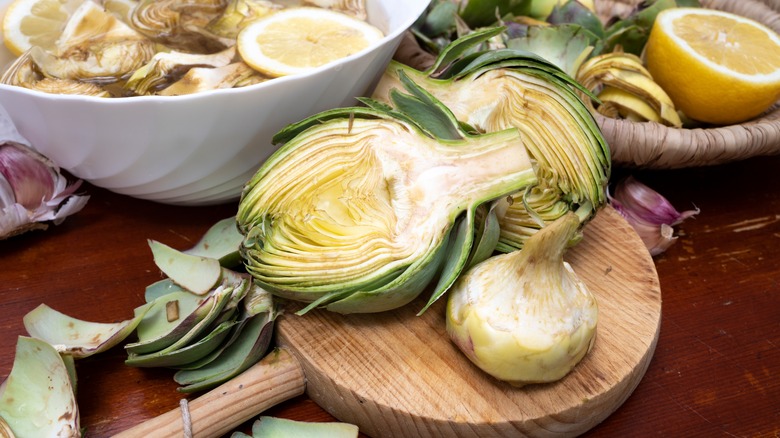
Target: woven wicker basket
[652, 145]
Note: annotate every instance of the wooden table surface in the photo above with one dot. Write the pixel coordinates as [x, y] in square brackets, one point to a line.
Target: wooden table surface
[716, 368]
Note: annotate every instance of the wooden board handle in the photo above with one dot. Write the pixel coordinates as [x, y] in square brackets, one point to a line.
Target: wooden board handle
[276, 378]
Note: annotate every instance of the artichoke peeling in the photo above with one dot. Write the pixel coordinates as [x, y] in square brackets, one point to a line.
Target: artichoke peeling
[362, 207]
[525, 316]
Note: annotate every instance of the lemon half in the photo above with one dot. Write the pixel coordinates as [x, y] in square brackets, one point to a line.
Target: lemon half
[297, 40]
[30, 23]
[717, 67]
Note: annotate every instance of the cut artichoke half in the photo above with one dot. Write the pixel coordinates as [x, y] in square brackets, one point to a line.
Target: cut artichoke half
[362, 207]
[493, 90]
[75, 337]
[37, 398]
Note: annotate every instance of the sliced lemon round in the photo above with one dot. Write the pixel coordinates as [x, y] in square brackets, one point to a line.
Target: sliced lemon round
[30, 23]
[717, 67]
[297, 40]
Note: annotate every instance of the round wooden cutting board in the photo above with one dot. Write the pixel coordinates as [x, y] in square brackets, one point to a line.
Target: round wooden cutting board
[395, 374]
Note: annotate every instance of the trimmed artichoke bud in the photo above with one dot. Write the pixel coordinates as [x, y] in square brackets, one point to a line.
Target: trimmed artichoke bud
[32, 190]
[525, 316]
[650, 214]
[494, 90]
[362, 207]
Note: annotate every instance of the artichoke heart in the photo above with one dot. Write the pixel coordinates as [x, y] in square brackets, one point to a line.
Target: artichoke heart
[180, 25]
[201, 79]
[238, 14]
[525, 316]
[493, 90]
[166, 67]
[95, 45]
[356, 210]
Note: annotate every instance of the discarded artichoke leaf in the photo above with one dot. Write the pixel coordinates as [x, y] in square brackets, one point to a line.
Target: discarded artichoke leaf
[200, 79]
[250, 345]
[155, 332]
[37, 397]
[188, 353]
[70, 366]
[188, 329]
[363, 227]
[162, 287]
[196, 274]
[256, 301]
[273, 427]
[76, 337]
[221, 241]
[235, 332]
[159, 71]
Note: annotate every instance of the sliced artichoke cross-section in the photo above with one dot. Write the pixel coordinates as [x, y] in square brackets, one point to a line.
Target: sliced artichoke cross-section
[493, 90]
[357, 210]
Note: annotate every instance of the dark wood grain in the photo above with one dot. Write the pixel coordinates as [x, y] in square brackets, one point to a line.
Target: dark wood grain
[714, 372]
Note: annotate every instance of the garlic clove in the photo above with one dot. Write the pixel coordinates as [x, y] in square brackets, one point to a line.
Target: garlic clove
[650, 214]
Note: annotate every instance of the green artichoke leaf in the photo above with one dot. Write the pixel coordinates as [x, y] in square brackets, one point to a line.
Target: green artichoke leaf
[37, 398]
[183, 334]
[480, 13]
[488, 233]
[567, 45]
[458, 250]
[161, 326]
[76, 337]
[462, 45]
[161, 287]
[188, 353]
[272, 427]
[221, 242]
[440, 20]
[197, 274]
[573, 12]
[251, 344]
[631, 33]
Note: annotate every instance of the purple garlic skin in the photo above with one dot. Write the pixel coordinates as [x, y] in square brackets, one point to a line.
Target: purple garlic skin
[33, 192]
[650, 214]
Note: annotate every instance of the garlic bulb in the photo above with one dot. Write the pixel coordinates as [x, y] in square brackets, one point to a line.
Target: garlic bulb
[32, 190]
[525, 317]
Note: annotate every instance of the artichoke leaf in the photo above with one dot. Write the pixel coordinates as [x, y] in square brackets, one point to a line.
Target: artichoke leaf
[75, 337]
[189, 353]
[197, 274]
[37, 398]
[190, 328]
[250, 345]
[221, 241]
[157, 330]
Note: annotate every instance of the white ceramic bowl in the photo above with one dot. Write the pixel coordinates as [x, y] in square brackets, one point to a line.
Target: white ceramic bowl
[198, 149]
